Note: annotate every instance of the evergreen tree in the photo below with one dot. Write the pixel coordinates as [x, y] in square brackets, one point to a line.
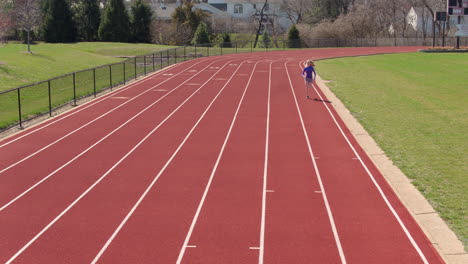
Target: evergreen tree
[226, 40]
[293, 37]
[266, 38]
[58, 24]
[141, 22]
[201, 35]
[186, 17]
[89, 15]
[115, 24]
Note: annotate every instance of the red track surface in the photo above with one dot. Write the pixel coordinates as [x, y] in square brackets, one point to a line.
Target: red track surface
[217, 160]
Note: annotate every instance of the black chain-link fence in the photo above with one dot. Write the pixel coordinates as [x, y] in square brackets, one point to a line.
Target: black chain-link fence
[28, 102]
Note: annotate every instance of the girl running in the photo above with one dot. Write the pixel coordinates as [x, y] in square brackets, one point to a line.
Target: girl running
[307, 74]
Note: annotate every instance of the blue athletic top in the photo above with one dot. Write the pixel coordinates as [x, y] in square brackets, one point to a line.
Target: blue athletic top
[308, 71]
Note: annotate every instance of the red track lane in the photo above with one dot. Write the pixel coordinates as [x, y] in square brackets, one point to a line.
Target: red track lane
[228, 225]
[76, 118]
[19, 178]
[90, 200]
[297, 225]
[174, 199]
[111, 199]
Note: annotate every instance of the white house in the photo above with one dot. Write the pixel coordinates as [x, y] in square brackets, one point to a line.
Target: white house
[243, 10]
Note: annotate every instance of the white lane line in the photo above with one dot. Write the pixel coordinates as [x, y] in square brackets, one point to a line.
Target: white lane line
[271, 191]
[376, 184]
[265, 175]
[90, 147]
[90, 122]
[102, 177]
[319, 178]
[109, 241]
[93, 102]
[257, 248]
[208, 185]
[191, 246]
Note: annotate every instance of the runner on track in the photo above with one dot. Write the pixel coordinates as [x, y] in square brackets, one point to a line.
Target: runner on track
[307, 74]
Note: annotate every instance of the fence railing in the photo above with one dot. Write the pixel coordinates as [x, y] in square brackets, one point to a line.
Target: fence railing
[25, 103]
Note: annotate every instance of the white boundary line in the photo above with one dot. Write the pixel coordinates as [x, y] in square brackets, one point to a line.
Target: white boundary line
[317, 172]
[94, 120]
[89, 104]
[93, 145]
[208, 185]
[142, 197]
[104, 175]
[371, 176]
[265, 176]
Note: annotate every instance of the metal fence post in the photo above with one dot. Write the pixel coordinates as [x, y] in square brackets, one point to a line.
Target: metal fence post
[153, 62]
[160, 53]
[236, 46]
[168, 58]
[208, 50]
[94, 81]
[50, 98]
[124, 78]
[195, 51]
[251, 46]
[135, 68]
[184, 53]
[221, 46]
[175, 55]
[110, 76]
[144, 63]
[74, 90]
[19, 110]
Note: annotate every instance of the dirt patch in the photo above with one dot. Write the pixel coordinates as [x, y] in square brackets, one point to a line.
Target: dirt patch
[2, 63]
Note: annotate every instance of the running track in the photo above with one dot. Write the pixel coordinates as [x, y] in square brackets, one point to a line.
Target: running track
[214, 160]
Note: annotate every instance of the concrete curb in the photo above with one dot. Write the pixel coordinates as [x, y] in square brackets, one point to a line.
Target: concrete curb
[442, 238]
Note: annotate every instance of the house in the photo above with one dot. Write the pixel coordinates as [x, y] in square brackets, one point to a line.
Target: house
[240, 10]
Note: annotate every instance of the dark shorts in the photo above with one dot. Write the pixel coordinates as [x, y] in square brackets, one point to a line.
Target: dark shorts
[308, 80]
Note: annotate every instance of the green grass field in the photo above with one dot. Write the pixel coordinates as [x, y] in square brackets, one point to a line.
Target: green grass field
[19, 68]
[416, 108]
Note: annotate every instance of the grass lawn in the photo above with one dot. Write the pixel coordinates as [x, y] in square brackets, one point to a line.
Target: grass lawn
[416, 108]
[18, 67]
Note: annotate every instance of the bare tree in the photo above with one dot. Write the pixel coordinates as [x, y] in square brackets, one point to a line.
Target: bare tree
[6, 20]
[296, 10]
[28, 16]
[261, 16]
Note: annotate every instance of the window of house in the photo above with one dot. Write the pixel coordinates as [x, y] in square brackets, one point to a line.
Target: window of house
[238, 9]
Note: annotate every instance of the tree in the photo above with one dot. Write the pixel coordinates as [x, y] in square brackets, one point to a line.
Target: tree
[226, 40]
[6, 19]
[141, 22]
[186, 19]
[58, 24]
[293, 37]
[296, 10]
[266, 38]
[331, 9]
[28, 16]
[201, 35]
[89, 15]
[261, 17]
[115, 23]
